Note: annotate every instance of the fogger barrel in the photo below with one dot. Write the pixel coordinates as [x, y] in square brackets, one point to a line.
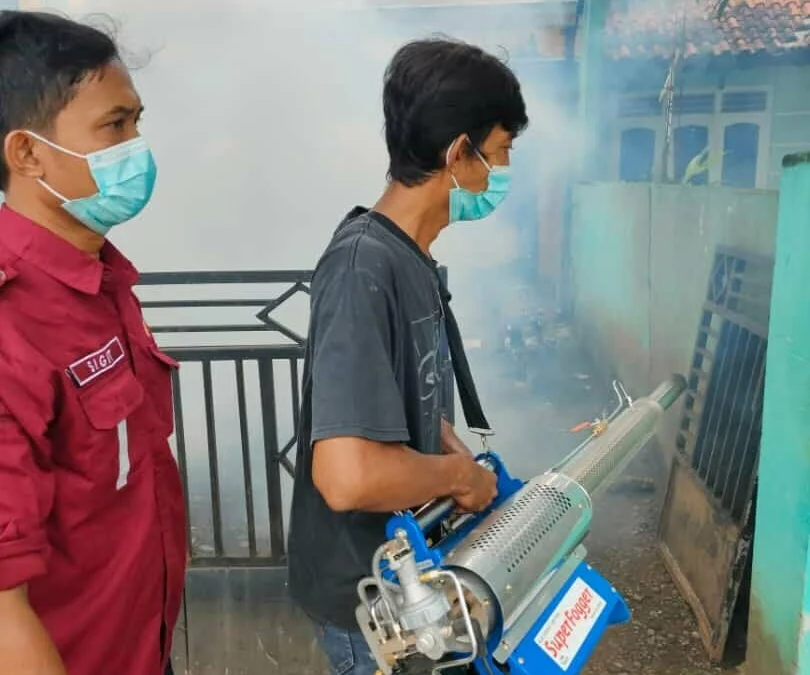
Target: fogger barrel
[604, 458]
[516, 545]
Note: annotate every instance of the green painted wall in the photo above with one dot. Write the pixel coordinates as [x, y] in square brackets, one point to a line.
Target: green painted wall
[779, 636]
[641, 259]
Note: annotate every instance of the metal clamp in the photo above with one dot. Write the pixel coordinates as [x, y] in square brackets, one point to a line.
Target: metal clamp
[484, 434]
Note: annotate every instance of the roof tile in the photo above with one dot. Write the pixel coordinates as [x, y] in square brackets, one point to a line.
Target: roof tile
[746, 27]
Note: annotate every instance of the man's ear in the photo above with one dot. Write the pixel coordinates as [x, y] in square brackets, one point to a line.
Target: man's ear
[20, 153]
[455, 151]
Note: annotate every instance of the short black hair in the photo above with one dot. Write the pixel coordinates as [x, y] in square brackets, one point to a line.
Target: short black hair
[43, 59]
[434, 91]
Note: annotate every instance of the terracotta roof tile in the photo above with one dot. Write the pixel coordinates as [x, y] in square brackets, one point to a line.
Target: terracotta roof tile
[657, 27]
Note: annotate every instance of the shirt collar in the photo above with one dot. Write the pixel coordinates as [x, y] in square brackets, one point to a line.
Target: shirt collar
[60, 259]
[389, 225]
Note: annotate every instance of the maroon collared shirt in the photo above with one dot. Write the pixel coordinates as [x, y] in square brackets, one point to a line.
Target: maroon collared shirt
[91, 508]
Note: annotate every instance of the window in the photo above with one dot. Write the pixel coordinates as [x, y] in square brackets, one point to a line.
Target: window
[637, 155]
[740, 150]
[689, 143]
[725, 135]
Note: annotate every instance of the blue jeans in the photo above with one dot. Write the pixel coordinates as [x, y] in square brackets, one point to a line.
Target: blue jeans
[346, 651]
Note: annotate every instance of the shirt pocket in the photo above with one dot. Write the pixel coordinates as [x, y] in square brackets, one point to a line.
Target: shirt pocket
[110, 406]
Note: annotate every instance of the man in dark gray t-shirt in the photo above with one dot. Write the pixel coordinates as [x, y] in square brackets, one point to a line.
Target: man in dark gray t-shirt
[372, 438]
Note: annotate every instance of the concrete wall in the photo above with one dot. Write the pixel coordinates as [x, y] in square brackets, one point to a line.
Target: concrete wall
[641, 259]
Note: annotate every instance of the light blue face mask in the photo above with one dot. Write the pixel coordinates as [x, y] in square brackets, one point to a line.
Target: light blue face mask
[125, 177]
[466, 205]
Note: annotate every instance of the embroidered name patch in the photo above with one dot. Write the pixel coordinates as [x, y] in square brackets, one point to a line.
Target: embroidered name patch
[89, 367]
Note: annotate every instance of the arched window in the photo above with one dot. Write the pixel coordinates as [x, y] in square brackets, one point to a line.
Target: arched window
[689, 141]
[637, 155]
[740, 150]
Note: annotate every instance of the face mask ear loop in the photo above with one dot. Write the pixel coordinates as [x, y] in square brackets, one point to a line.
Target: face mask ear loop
[52, 191]
[483, 159]
[447, 163]
[44, 140]
[53, 145]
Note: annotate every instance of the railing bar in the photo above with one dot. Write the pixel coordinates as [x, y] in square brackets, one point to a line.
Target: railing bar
[713, 380]
[709, 332]
[217, 328]
[233, 352]
[734, 464]
[719, 400]
[751, 443]
[245, 438]
[700, 375]
[296, 396]
[183, 304]
[180, 440]
[288, 446]
[271, 458]
[718, 457]
[733, 453]
[752, 279]
[281, 299]
[224, 277]
[289, 467]
[737, 318]
[274, 325]
[721, 406]
[260, 561]
[758, 301]
[213, 465]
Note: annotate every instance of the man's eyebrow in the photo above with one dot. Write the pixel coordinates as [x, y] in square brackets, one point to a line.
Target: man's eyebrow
[124, 110]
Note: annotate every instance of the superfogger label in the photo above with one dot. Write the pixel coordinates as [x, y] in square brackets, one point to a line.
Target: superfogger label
[563, 635]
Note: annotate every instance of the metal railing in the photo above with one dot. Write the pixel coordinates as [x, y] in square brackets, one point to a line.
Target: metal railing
[258, 357]
[236, 400]
[228, 523]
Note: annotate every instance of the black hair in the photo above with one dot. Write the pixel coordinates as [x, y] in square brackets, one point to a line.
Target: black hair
[434, 91]
[43, 59]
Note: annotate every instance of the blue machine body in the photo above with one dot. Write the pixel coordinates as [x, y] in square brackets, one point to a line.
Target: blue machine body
[559, 642]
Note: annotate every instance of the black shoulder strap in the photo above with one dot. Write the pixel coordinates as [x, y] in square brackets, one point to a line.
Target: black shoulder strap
[470, 403]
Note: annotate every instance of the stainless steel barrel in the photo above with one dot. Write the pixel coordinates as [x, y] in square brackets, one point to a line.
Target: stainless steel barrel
[604, 458]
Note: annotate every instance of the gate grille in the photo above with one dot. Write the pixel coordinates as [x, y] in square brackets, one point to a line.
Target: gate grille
[722, 422]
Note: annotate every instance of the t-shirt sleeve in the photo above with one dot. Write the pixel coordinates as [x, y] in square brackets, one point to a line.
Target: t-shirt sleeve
[354, 387]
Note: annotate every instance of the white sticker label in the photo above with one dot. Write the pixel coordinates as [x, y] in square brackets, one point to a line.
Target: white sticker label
[568, 627]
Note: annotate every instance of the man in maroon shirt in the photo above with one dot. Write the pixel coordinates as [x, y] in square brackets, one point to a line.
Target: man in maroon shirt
[92, 535]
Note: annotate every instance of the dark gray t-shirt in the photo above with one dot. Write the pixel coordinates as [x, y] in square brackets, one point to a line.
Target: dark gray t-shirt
[371, 370]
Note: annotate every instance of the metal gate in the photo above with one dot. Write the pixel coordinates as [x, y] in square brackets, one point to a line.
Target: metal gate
[236, 401]
[706, 526]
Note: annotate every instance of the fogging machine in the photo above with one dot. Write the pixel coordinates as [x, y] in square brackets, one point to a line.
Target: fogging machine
[507, 590]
